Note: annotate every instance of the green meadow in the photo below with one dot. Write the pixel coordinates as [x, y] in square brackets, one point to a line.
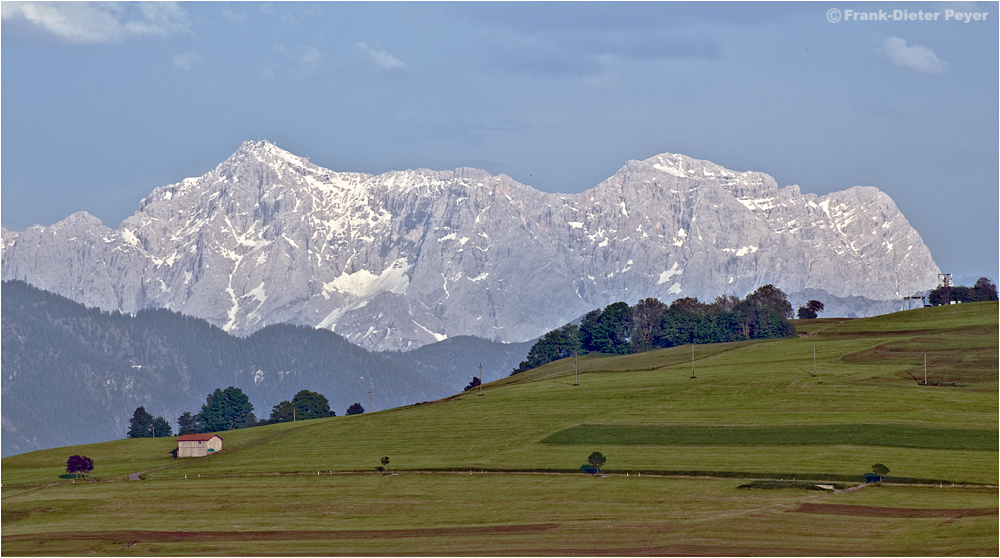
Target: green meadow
[499, 473]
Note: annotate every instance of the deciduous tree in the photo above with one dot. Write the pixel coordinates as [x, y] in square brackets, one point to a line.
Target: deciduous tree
[310, 405]
[880, 470]
[646, 323]
[79, 464]
[598, 460]
[811, 310]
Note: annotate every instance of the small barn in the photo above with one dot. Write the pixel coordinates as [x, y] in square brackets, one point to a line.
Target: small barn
[198, 445]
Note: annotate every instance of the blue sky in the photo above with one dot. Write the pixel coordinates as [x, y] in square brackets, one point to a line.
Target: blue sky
[101, 103]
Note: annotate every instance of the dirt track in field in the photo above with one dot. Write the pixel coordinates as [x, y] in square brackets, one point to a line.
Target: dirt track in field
[136, 536]
[871, 511]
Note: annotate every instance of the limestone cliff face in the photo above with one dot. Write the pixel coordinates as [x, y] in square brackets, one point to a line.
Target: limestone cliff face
[403, 259]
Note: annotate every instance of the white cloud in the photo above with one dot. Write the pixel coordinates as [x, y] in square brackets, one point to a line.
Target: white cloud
[100, 22]
[916, 57]
[233, 17]
[380, 58]
[309, 62]
[186, 60]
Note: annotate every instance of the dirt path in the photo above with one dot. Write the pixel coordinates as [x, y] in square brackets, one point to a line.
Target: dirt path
[874, 511]
[134, 536]
[137, 477]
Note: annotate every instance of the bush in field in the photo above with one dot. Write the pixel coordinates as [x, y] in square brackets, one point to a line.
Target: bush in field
[473, 384]
[355, 409]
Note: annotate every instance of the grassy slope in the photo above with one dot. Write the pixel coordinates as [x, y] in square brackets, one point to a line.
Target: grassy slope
[862, 377]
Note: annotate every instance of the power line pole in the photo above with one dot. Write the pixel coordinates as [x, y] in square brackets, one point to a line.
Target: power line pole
[576, 372]
[480, 378]
[692, 359]
[925, 369]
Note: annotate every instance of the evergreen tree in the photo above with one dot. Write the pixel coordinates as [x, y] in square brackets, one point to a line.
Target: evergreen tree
[140, 425]
[587, 327]
[984, 290]
[554, 345]
[226, 410]
[611, 335]
[161, 428]
[188, 424]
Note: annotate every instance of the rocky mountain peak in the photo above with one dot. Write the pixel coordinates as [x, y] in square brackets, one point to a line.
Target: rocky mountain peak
[405, 258]
[741, 184]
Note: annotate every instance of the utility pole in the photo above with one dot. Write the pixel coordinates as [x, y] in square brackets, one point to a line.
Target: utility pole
[814, 360]
[371, 386]
[480, 379]
[576, 372]
[692, 359]
[944, 280]
[925, 369]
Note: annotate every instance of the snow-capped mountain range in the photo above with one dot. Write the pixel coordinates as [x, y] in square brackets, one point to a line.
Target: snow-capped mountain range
[402, 259]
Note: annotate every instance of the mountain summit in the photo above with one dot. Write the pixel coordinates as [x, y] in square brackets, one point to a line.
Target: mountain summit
[402, 259]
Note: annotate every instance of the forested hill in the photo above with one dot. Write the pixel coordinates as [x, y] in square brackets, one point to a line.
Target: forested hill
[73, 375]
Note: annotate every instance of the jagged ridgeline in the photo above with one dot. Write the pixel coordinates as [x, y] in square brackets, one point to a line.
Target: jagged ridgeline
[651, 324]
[404, 259]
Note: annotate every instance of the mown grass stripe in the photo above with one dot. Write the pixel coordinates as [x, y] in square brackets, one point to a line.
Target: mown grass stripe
[798, 435]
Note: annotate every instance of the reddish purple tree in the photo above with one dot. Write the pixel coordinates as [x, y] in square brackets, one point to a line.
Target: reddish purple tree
[79, 464]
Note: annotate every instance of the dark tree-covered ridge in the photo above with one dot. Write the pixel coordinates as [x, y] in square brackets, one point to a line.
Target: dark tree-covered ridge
[651, 324]
[85, 370]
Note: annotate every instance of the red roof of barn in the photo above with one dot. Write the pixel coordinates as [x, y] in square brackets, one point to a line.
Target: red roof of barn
[197, 437]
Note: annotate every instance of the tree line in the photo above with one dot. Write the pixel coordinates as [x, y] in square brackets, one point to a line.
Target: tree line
[229, 409]
[652, 324]
[984, 290]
